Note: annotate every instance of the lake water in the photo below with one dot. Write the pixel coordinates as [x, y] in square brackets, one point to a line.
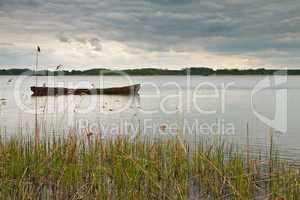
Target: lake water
[222, 106]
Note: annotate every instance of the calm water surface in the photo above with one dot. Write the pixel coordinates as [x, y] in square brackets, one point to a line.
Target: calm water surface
[209, 106]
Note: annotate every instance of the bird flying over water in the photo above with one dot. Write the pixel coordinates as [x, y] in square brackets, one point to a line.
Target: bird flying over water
[59, 66]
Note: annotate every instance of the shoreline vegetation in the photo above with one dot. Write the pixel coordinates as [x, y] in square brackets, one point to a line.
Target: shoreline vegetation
[201, 71]
[93, 167]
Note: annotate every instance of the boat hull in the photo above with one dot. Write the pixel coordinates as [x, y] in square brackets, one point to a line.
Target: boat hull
[55, 91]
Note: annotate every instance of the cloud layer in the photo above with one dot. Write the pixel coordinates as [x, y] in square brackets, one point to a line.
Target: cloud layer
[151, 33]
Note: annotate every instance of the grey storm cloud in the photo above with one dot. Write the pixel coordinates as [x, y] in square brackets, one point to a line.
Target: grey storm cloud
[222, 26]
[29, 3]
[170, 2]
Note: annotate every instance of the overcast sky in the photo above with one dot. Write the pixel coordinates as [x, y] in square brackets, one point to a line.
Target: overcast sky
[151, 33]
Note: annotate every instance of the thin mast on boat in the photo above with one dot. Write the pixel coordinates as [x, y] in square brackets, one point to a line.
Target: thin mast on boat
[38, 50]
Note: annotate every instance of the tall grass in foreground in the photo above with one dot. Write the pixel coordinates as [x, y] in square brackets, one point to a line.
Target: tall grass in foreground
[120, 168]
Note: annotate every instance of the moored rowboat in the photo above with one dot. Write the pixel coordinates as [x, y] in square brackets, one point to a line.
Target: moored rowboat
[54, 91]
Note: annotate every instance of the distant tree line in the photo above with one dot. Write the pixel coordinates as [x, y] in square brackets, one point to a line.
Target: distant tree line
[201, 71]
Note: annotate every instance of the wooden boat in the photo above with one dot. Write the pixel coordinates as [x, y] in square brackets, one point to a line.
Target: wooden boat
[55, 91]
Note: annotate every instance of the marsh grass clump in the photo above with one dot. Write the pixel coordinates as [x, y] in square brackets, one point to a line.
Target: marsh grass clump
[120, 168]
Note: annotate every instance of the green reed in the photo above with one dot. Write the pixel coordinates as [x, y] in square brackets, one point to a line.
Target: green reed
[121, 168]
